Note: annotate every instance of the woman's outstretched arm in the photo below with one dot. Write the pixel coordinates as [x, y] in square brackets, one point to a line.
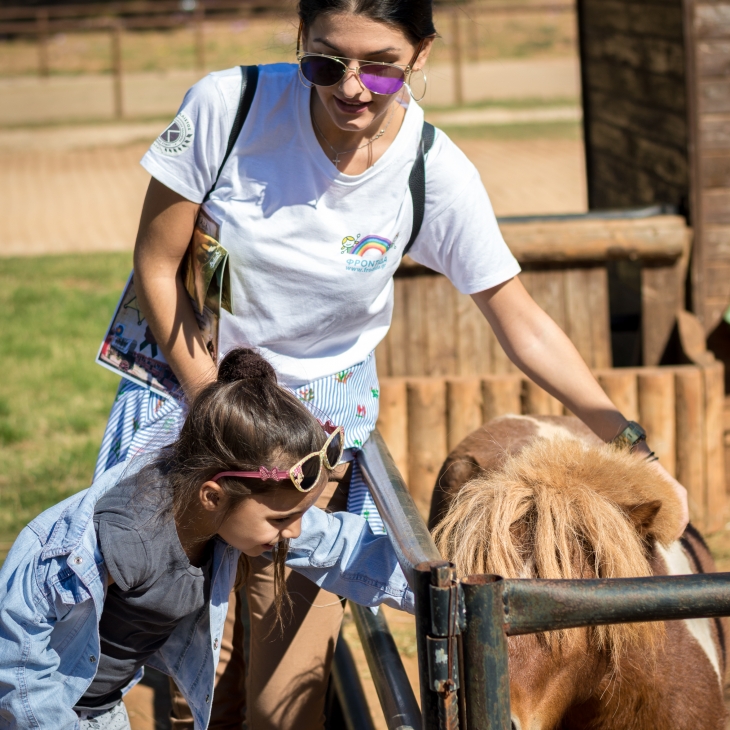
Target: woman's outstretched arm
[546, 355]
[165, 230]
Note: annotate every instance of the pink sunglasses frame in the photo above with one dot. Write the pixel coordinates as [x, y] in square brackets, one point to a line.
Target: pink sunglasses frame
[295, 473]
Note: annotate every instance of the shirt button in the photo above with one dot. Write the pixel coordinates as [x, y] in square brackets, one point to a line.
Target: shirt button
[77, 560]
[215, 644]
[92, 659]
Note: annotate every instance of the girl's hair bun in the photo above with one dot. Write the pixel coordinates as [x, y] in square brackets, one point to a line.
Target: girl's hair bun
[245, 364]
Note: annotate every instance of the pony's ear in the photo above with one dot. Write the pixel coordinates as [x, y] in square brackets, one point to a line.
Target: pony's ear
[643, 515]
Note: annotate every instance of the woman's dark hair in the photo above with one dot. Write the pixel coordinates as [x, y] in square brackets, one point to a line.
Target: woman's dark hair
[240, 422]
[413, 17]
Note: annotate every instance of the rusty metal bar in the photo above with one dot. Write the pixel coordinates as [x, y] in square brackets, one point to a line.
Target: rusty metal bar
[407, 531]
[486, 673]
[422, 593]
[349, 689]
[546, 605]
[397, 700]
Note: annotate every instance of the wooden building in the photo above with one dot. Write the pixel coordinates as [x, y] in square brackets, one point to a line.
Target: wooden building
[656, 97]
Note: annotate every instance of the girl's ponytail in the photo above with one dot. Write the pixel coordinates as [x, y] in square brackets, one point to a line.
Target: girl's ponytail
[244, 364]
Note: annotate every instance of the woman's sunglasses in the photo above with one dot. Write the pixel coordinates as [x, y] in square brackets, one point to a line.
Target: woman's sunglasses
[380, 78]
[305, 474]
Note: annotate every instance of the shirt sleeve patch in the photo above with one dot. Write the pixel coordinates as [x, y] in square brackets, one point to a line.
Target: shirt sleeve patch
[176, 138]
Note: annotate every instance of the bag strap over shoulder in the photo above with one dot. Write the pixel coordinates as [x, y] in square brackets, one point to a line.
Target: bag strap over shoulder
[249, 81]
[417, 182]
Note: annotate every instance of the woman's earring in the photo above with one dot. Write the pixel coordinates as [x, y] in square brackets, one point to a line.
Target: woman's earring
[410, 86]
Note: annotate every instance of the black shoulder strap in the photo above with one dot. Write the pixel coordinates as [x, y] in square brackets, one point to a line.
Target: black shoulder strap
[249, 81]
[417, 182]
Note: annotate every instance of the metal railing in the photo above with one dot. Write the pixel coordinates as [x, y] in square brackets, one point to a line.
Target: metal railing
[462, 625]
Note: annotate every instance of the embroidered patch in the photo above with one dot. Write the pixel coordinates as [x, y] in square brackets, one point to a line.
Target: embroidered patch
[177, 137]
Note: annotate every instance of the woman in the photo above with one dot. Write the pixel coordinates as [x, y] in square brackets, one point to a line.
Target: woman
[321, 166]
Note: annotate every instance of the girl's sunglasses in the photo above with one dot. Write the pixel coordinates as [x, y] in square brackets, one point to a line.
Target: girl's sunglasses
[304, 474]
[378, 77]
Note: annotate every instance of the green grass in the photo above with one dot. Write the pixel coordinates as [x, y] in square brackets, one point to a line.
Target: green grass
[54, 400]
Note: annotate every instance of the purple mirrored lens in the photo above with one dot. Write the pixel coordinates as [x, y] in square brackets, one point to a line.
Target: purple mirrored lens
[382, 79]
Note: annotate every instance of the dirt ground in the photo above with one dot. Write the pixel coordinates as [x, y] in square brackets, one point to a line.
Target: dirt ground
[80, 189]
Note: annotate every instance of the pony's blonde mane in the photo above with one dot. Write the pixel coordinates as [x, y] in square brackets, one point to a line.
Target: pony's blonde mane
[562, 508]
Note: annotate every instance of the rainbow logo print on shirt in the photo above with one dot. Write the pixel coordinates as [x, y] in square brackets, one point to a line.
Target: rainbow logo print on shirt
[367, 247]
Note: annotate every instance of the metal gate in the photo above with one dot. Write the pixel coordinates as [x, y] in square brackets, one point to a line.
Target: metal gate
[462, 625]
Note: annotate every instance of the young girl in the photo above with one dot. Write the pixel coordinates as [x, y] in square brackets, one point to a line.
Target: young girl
[138, 568]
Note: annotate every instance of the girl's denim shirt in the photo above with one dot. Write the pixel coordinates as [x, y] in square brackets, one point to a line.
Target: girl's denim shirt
[52, 588]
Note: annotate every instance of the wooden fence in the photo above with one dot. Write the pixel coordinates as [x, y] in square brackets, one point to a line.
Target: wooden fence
[681, 407]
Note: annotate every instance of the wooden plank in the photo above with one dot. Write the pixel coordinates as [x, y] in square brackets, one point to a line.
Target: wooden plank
[600, 317]
[717, 281]
[501, 364]
[690, 417]
[714, 133]
[715, 206]
[657, 413]
[712, 20]
[415, 326]
[440, 325]
[663, 125]
[427, 438]
[393, 421]
[548, 290]
[538, 402]
[464, 408]
[715, 169]
[579, 313]
[614, 183]
[473, 344]
[656, 90]
[659, 21]
[502, 396]
[652, 238]
[382, 358]
[621, 387]
[667, 162]
[713, 58]
[714, 446]
[656, 55]
[398, 333]
[661, 300]
[716, 242]
[713, 96]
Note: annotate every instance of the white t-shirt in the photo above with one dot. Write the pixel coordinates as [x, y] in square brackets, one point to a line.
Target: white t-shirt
[312, 250]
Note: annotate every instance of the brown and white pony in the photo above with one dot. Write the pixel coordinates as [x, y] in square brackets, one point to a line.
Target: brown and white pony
[542, 497]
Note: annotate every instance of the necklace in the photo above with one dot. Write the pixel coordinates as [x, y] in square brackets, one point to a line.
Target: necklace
[336, 158]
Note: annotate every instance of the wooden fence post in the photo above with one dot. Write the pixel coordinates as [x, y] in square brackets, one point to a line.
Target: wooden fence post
[690, 417]
[393, 421]
[457, 55]
[116, 54]
[427, 442]
[464, 407]
[538, 402]
[714, 446]
[502, 396]
[657, 413]
[620, 387]
[41, 18]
